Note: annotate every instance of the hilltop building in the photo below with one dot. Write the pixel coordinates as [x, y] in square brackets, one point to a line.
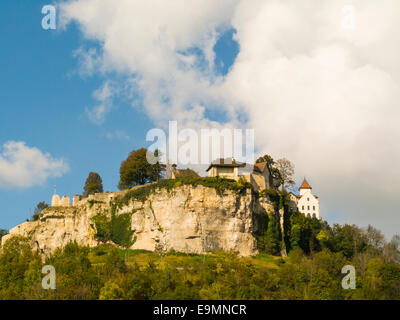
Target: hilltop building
[307, 202]
[225, 168]
[258, 174]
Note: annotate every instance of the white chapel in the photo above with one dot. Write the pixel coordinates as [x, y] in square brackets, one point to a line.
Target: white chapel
[307, 202]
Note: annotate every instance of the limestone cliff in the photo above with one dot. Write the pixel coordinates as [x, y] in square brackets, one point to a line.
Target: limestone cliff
[191, 219]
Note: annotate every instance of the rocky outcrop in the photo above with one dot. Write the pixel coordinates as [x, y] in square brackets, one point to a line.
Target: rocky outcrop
[186, 219]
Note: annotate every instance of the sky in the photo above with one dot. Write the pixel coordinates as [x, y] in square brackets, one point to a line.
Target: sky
[317, 81]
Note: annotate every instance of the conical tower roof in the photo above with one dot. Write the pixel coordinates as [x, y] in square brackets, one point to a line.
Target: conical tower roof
[305, 185]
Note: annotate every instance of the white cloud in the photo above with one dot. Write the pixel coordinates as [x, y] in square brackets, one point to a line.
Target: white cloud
[118, 135]
[23, 167]
[105, 96]
[322, 95]
[151, 41]
[325, 97]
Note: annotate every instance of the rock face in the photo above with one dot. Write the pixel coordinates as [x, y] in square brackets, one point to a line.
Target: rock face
[186, 219]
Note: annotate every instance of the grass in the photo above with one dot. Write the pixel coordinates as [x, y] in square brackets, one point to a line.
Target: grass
[98, 255]
[267, 259]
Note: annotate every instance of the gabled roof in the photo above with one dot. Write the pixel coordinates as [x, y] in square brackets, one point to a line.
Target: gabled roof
[260, 167]
[226, 163]
[305, 185]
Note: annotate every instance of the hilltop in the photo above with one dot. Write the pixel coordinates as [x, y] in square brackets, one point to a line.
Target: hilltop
[191, 215]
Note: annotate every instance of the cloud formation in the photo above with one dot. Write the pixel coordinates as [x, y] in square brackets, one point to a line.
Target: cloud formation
[23, 167]
[316, 91]
[104, 96]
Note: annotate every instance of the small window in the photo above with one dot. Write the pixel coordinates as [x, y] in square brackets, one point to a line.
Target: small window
[314, 208]
[308, 199]
[302, 208]
[308, 207]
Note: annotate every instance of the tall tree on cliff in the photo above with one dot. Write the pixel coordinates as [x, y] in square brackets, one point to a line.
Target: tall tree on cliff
[282, 171]
[136, 170]
[93, 184]
[286, 170]
[38, 210]
[275, 173]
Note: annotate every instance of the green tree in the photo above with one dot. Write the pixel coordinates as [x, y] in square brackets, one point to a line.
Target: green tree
[266, 158]
[33, 280]
[326, 275]
[38, 210]
[295, 236]
[348, 239]
[111, 291]
[273, 238]
[3, 232]
[93, 184]
[15, 259]
[76, 279]
[269, 240]
[275, 173]
[136, 170]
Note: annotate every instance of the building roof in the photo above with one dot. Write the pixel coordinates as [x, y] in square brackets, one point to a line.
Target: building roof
[226, 163]
[305, 185]
[260, 167]
[299, 196]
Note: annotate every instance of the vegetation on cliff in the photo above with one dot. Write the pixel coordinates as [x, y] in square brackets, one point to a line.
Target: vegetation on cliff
[117, 228]
[3, 232]
[136, 169]
[93, 184]
[105, 272]
[220, 184]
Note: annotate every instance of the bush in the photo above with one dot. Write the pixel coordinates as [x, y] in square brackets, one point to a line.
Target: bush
[220, 184]
[117, 229]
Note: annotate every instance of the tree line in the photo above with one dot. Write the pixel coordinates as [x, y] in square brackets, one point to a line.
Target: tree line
[107, 273]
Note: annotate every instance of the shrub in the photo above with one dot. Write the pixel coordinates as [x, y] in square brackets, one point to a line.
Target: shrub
[220, 184]
[117, 229]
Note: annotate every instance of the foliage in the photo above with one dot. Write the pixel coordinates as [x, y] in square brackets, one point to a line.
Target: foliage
[276, 197]
[83, 273]
[92, 202]
[275, 173]
[116, 229]
[15, 259]
[269, 235]
[93, 184]
[286, 172]
[38, 210]
[3, 232]
[186, 173]
[136, 170]
[220, 184]
[266, 158]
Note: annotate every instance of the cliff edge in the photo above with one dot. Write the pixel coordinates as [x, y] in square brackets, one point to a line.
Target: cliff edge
[184, 218]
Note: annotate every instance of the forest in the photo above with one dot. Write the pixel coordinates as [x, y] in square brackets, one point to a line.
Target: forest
[312, 270]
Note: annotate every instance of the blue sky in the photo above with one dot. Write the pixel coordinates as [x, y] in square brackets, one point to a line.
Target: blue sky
[43, 103]
[44, 98]
[319, 87]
